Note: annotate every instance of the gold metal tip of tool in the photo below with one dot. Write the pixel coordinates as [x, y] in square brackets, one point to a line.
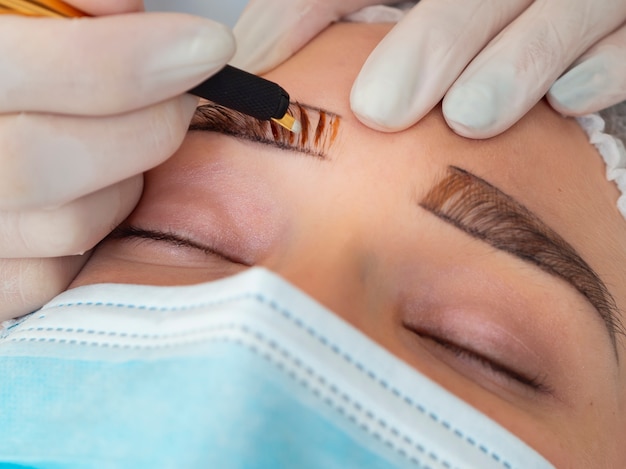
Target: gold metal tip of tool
[289, 122]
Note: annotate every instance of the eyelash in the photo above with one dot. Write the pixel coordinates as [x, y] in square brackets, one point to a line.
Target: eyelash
[133, 232]
[536, 383]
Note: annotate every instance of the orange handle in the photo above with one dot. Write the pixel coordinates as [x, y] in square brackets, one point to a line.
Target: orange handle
[51, 8]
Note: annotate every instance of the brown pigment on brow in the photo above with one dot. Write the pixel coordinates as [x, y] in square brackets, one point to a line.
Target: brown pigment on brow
[276, 130]
[306, 123]
[327, 129]
[321, 125]
[290, 136]
[335, 122]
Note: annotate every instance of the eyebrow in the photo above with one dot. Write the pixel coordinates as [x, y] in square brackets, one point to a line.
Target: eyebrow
[488, 214]
[319, 128]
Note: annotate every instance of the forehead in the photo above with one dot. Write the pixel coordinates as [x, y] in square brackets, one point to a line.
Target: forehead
[545, 161]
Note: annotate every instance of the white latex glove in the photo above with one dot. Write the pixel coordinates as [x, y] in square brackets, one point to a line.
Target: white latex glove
[492, 60]
[87, 105]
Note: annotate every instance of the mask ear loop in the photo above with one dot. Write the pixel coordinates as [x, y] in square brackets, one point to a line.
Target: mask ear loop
[49, 8]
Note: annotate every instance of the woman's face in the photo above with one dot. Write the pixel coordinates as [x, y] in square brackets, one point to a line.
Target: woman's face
[473, 261]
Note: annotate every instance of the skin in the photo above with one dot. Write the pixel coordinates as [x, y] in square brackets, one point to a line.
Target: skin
[349, 231]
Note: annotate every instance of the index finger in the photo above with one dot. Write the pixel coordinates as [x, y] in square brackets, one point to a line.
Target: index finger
[107, 65]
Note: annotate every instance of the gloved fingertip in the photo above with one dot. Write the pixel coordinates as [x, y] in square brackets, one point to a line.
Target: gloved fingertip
[198, 49]
[472, 110]
[575, 91]
[247, 57]
[375, 124]
[378, 108]
[262, 42]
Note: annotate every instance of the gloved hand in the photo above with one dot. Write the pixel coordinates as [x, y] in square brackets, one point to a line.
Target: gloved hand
[87, 105]
[491, 59]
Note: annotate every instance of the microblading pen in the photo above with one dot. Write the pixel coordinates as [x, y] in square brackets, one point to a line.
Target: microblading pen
[230, 87]
[249, 94]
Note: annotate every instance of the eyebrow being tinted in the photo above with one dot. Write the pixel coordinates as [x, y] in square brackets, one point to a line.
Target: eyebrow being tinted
[319, 128]
[488, 214]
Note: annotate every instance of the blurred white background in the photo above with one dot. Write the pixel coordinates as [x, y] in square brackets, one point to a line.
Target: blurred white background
[224, 11]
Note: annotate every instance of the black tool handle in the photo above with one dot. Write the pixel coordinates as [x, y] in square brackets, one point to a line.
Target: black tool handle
[244, 92]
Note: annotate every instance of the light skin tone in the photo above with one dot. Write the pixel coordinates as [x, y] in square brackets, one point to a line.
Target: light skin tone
[378, 228]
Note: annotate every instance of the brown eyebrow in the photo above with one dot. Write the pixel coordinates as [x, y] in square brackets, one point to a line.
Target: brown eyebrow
[488, 214]
[319, 128]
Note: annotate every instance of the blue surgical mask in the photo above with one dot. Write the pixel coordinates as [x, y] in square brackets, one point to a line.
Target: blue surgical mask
[245, 372]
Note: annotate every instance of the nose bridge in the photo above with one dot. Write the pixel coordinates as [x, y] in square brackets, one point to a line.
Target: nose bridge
[323, 255]
[336, 263]
[342, 223]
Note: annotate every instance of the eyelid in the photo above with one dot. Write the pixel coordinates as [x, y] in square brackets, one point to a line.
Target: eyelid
[173, 239]
[537, 383]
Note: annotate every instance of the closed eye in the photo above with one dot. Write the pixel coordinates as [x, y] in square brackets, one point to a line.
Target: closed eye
[536, 383]
[173, 239]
